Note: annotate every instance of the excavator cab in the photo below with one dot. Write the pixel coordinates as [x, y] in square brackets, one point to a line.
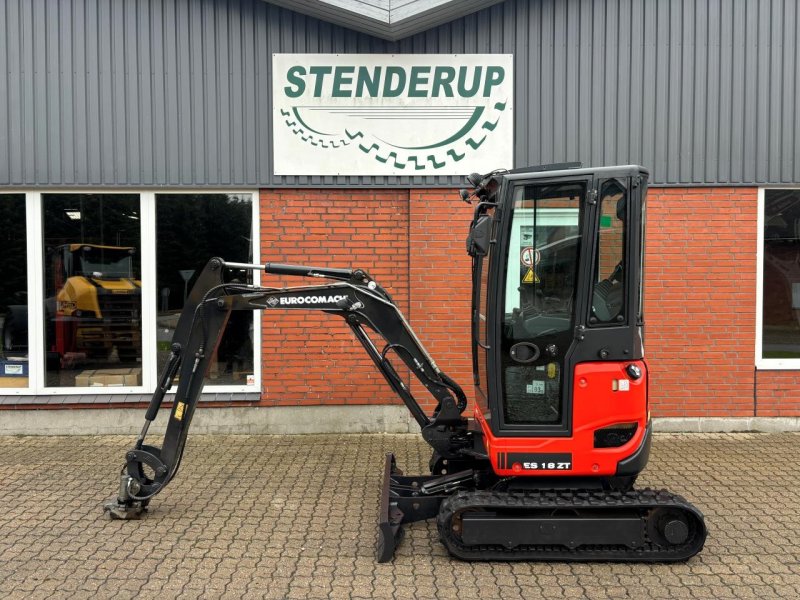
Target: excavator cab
[557, 322]
[543, 468]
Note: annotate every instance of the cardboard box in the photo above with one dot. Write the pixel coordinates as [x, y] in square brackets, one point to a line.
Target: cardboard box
[13, 382]
[109, 378]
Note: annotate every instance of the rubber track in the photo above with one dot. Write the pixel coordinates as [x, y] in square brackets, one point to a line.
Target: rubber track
[643, 501]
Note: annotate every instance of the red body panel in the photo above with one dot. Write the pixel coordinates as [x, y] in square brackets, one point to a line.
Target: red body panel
[596, 404]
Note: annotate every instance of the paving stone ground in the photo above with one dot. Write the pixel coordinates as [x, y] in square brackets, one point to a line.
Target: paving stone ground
[294, 517]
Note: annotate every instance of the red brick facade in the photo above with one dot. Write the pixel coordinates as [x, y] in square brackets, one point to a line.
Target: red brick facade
[312, 358]
[699, 296]
[778, 393]
[700, 284]
[400, 237]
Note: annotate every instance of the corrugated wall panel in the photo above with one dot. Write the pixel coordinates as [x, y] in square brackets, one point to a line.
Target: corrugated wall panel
[177, 92]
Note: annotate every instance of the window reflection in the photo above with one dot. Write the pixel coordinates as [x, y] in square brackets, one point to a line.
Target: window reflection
[92, 283]
[191, 228]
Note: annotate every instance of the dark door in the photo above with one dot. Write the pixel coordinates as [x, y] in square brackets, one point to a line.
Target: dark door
[538, 269]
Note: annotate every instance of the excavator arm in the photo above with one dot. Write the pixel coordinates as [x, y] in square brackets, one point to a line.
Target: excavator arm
[355, 296]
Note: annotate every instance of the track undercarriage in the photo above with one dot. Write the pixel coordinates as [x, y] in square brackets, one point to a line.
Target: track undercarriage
[477, 521]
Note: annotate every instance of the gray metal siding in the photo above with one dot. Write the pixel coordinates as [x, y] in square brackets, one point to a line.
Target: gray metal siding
[177, 92]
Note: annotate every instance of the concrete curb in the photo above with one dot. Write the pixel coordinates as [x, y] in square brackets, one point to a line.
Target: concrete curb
[307, 420]
[239, 420]
[727, 424]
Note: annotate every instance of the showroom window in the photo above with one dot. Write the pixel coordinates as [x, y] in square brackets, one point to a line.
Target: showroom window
[92, 290]
[94, 282]
[14, 293]
[778, 297]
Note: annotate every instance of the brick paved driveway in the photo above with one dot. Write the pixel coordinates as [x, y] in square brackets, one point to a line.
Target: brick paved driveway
[294, 517]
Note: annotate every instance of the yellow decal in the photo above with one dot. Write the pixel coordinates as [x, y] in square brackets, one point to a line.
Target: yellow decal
[181, 406]
[530, 277]
[551, 370]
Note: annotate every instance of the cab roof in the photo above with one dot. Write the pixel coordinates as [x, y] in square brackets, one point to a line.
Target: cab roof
[528, 173]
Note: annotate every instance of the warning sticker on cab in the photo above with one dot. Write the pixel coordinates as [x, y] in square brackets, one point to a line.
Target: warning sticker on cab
[530, 276]
[529, 256]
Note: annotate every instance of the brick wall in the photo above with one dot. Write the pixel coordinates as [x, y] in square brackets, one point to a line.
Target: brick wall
[699, 296]
[700, 286]
[313, 358]
[441, 284]
[400, 237]
[778, 393]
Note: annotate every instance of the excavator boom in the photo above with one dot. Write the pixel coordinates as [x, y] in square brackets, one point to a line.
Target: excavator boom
[356, 297]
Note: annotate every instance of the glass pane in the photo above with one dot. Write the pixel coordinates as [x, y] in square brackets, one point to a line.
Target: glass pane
[542, 260]
[781, 316]
[541, 273]
[92, 284]
[608, 297]
[482, 311]
[482, 323]
[642, 242]
[190, 229]
[14, 293]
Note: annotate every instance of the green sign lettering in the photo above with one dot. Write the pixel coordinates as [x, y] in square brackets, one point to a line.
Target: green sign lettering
[462, 82]
[443, 80]
[494, 76]
[394, 81]
[372, 82]
[319, 74]
[342, 76]
[419, 77]
[294, 76]
[390, 90]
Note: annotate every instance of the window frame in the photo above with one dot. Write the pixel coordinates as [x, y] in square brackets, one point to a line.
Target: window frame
[771, 364]
[147, 231]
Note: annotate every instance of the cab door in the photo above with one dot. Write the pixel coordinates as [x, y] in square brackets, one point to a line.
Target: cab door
[541, 293]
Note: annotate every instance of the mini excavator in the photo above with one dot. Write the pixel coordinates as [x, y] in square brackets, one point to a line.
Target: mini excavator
[545, 467]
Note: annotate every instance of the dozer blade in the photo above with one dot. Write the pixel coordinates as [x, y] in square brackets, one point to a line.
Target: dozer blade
[411, 498]
[390, 517]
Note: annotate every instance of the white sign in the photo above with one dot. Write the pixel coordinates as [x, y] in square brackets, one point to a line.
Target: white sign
[529, 256]
[535, 387]
[392, 114]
